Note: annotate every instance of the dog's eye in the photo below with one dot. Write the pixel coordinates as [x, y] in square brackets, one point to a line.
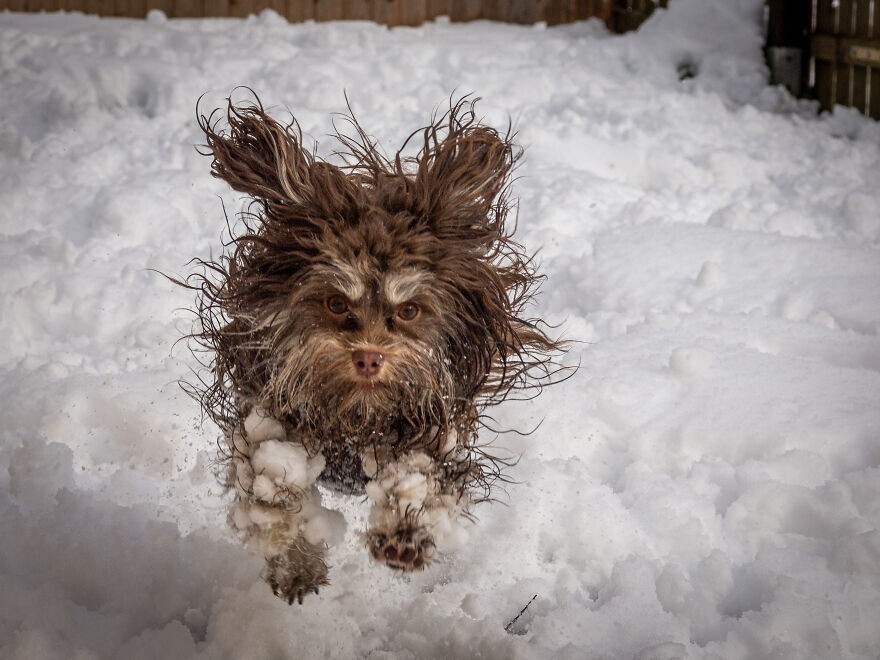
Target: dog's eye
[337, 304]
[408, 311]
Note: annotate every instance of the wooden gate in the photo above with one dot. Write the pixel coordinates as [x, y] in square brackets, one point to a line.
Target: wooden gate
[845, 54]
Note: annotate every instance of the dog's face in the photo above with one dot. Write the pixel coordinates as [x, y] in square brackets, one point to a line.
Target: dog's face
[384, 297]
[365, 332]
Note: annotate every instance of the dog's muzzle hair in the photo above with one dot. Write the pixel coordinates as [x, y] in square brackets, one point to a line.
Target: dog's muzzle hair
[368, 313]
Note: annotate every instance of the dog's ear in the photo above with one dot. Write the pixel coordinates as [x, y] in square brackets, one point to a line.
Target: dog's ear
[461, 178]
[258, 156]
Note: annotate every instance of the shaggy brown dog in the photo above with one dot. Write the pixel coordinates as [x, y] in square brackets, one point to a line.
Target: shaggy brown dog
[360, 321]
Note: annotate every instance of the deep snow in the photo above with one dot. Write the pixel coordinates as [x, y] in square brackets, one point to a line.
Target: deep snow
[706, 486]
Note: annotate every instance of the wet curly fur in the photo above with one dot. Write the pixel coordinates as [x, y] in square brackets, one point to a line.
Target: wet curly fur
[369, 313]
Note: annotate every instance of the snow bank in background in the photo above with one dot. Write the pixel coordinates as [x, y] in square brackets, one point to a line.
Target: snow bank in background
[706, 486]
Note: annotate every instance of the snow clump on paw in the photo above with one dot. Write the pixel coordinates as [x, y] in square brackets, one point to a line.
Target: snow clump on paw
[409, 487]
[282, 465]
[259, 426]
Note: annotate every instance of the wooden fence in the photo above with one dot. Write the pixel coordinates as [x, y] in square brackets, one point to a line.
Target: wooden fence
[845, 52]
[620, 15]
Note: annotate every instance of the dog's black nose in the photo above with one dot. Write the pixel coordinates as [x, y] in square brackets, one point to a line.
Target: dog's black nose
[367, 363]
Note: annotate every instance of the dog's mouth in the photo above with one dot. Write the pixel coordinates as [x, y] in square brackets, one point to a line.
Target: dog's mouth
[369, 385]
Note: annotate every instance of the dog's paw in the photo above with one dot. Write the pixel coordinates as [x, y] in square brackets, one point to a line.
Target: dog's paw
[298, 571]
[406, 549]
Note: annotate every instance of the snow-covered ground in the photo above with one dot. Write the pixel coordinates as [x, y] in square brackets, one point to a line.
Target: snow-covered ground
[706, 486]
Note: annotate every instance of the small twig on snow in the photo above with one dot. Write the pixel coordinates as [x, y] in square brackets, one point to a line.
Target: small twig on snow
[507, 627]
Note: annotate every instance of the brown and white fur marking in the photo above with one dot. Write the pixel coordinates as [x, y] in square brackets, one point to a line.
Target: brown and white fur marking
[358, 324]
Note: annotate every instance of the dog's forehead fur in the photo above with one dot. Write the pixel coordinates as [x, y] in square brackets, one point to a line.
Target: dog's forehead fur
[376, 257]
[358, 281]
[404, 285]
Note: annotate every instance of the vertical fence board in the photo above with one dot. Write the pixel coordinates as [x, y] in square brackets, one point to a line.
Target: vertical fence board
[862, 16]
[845, 10]
[265, 4]
[859, 98]
[844, 20]
[557, 12]
[843, 84]
[381, 12]
[328, 10]
[826, 83]
[874, 22]
[232, 8]
[188, 8]
[824, 16]
[437, 8]
[495, 10]
[275, 5]
[386, 12]
[874, 99]
[218, 8]
[465, 10]
[300, 10]
[823, 89]
[15, 5]
[859, 27]
[243, 8]
[414, 12]
[517, 12]
[528, 12]
[604, 6]
[166, 6]
[357, 10]
[132, 8]
[585, 9]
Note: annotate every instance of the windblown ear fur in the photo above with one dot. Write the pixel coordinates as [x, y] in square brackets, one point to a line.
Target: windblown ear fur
[258, 156]
[462, 176]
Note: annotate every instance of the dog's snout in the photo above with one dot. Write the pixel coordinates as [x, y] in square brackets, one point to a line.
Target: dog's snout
[367, 363]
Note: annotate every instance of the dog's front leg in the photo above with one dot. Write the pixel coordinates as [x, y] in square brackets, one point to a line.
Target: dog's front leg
[418, 506]
[277, 507]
